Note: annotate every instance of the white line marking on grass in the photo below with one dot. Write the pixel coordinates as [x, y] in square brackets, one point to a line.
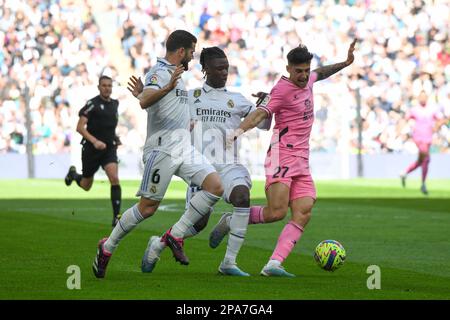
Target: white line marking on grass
[173, 207]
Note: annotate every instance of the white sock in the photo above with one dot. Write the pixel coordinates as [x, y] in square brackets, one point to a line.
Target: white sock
[238, 228]
[129, 220]
[190, 232]
[199, 206]
[191, 191]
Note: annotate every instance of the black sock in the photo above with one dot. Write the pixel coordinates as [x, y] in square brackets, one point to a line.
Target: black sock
[116, 199]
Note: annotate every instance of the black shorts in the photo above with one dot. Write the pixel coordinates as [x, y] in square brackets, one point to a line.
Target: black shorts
[92, 158]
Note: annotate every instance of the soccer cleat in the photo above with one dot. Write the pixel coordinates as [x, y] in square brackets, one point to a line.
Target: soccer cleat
[232, 270]
[150, 257]
[220, 231]
[101, 260]
[273, 270]
[70, 175]
[423, 189]
[403, 179]
[176, 245]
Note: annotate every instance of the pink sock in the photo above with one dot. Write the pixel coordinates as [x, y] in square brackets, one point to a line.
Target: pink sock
[412, 167]
[425, 164]
[288, 238]
[256, 215]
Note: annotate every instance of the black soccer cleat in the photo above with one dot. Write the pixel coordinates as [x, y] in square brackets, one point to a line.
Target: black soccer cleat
[176, 245]
[70, 176]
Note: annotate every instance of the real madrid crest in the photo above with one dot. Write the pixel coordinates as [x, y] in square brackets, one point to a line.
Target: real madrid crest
[230, 103]
[197, 93]
[153, 189]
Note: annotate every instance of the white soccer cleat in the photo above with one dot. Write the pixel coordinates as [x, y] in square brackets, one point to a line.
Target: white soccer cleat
[275, 270]
[151, 256]
[423, 189]
[220, 231]
[232, 270]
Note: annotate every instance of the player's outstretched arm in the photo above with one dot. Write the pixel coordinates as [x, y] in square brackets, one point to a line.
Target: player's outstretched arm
[326, 71]
[262, 101]
[149, 96]
[251, 121]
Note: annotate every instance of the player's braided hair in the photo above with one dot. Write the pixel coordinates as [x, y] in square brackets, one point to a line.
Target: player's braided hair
[210, 53]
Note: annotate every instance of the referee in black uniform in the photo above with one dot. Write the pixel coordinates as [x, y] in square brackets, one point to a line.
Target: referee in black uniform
[97, 124]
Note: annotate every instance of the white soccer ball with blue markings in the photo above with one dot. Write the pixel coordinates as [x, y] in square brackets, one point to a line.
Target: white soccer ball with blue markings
[329, 255]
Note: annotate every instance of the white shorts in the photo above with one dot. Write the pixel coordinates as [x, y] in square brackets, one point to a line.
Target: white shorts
[231, 175]
[160, 167]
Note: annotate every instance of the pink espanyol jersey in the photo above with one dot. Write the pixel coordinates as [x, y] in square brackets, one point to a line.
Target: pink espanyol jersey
[293, 108]
[425, 118]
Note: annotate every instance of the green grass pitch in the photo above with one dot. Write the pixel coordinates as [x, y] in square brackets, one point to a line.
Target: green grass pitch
[46, 227]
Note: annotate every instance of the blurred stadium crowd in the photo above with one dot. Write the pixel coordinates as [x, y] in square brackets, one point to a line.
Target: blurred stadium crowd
[49, 49]
[54, 48]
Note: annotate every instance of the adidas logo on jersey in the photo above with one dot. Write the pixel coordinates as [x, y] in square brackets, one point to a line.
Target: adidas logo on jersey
[197, 101]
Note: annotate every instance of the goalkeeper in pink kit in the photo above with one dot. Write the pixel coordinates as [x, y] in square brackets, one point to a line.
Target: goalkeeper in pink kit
[288, 180]
[427, 120]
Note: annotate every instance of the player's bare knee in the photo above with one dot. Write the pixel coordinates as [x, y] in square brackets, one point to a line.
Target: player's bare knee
[240, 197]
[306, 215]
[422, 157]
[302, 218]
[277, 213]
[213, 184]
[216, 189]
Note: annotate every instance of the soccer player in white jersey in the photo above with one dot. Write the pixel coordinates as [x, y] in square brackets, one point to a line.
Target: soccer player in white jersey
[167, 152]
[217, 111]
[214, 111]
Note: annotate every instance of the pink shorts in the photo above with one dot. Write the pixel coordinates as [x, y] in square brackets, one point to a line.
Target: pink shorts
[292, 171]
[423, 146]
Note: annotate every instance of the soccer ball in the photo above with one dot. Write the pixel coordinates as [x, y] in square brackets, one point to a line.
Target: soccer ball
[329, 255]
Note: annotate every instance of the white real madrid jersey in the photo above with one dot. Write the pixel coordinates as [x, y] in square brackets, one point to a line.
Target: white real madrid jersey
[216, 113]
[168, 119]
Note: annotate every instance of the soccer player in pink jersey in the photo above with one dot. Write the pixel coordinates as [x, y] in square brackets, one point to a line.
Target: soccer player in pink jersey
[427, 120]
[288, 180]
